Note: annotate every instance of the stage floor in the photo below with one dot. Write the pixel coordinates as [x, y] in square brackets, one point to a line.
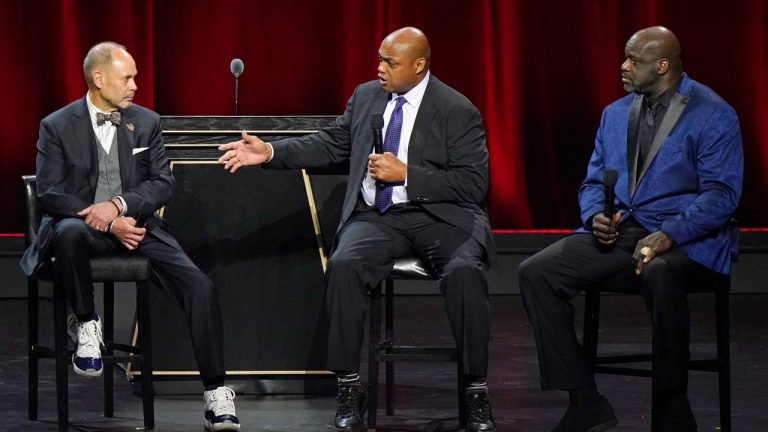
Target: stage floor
[425, 392]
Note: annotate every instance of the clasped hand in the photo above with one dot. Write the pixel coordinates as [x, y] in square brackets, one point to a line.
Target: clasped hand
[98, 216]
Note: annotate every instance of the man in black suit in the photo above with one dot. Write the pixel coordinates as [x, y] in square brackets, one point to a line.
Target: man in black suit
[101, 166]
[423, 196]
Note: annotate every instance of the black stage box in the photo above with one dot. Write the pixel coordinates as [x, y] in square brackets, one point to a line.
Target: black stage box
[262, 236]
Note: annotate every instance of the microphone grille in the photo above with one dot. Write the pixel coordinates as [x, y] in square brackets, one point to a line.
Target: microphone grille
[377, 121]
[236, 66]
[609, 177]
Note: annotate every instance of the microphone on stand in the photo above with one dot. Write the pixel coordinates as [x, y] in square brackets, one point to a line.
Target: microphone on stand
[236, 66]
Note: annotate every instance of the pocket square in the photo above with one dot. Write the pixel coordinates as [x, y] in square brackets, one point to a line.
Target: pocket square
[138, 150]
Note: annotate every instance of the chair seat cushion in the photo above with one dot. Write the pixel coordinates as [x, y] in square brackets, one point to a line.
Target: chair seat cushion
[120, 268]
[410, 268]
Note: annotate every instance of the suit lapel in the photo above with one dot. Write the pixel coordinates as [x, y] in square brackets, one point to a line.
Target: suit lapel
[422, 123]
[674, 111]
[86, 141]
[632, 148]
[125, 147]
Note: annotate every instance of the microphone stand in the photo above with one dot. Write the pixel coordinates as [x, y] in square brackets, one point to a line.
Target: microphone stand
[237, 78]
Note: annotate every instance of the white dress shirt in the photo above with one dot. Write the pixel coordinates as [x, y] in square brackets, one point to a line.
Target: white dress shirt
[410, 109]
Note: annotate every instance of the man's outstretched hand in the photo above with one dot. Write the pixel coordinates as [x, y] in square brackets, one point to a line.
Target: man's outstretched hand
[248, 151]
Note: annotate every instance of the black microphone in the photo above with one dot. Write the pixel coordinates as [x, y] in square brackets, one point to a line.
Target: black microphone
[609, 181]
[377, 124]
[236, 66]
[146, 209]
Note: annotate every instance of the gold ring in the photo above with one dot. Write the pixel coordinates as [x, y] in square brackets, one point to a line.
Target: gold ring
[645, 251]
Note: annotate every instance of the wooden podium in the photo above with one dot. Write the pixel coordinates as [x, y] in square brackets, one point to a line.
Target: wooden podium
[262, 236]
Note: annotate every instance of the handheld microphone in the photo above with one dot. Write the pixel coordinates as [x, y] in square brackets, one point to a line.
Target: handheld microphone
[236, 66]
[609, 182]
[146, 209]
[377, 124]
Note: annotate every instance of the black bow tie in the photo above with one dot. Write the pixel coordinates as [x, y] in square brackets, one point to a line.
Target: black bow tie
[113, 117]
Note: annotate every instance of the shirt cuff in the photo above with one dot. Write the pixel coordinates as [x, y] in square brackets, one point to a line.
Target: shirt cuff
[125, 206]
[272, 152]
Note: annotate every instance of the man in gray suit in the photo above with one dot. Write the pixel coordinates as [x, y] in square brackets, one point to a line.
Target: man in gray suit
[101, 166]
[423, 195]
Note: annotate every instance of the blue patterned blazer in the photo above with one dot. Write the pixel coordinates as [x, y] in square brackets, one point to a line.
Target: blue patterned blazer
[690, 184]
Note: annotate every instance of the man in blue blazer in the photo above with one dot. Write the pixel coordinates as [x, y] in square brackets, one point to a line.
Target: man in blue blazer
[422, 198]
[676, 150]
[101, 166]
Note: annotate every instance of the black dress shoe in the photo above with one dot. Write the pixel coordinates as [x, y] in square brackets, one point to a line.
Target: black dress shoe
[596, 416]
[480, 417]
[350, 407]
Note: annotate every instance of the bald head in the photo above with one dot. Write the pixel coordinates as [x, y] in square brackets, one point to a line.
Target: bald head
[653, 61]
[99, 55]
[410, 41]
[659, 43]
[110, 73]
[404, 59]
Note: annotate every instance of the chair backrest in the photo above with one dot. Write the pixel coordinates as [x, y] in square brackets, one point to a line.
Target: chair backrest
[33, 208]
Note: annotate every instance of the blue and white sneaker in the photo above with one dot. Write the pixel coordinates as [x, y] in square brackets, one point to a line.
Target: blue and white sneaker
[220, 410]
[87, 358]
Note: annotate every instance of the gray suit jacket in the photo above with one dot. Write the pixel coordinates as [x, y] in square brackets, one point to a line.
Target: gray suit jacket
[447, 155]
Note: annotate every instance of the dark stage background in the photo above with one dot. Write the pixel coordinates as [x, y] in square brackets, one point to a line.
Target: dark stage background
[539, 71]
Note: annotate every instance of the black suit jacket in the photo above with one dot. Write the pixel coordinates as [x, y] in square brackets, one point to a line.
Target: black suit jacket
[447, 155]
[68, 165]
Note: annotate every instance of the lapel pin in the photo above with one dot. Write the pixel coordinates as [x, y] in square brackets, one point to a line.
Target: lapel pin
[130, 126]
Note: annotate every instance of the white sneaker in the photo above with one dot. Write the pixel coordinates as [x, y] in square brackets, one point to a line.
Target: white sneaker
[87, 358]
[220, 410]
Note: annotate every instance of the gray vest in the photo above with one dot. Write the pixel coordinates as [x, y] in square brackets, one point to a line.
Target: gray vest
[109, 184]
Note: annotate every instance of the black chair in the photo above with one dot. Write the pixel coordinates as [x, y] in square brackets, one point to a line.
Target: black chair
[108, 270]
[386, 351]
[719, 286]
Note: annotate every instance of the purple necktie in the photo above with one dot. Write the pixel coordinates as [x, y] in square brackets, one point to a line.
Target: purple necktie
[391, 145]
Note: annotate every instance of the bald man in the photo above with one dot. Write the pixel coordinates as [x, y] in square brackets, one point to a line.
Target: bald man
[422, 196]
[101, 166]
[676, 148]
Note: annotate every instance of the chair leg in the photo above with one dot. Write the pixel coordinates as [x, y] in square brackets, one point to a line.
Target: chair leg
[591, 325]
[33, 334]
[145, 342]
[374, 341]
[724, 355]
[389, 336]
[461, 385]
[108, 321]
[62, 362]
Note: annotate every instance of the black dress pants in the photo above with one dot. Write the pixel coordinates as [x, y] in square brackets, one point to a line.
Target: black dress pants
[552, 277]
[74, 243]
[365, 251]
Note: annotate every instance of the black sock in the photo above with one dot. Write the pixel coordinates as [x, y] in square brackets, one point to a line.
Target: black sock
[345, 378]
[213, 383]
[475, 383]
[83, 318]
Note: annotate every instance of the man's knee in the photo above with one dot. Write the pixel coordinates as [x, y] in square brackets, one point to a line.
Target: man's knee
[70, 231]
[202, 287]
[342, 265]
[530, 269]
[661, 279]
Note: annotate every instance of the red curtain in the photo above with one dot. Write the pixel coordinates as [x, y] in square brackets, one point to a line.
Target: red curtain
[540, 73]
